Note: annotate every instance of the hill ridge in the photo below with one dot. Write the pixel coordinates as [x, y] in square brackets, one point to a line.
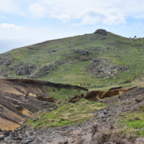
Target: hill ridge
[88, 60]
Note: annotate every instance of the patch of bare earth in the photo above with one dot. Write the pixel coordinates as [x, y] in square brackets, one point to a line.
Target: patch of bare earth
[20, 99]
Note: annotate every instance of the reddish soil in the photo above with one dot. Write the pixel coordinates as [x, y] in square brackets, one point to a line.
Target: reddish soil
[96, 95]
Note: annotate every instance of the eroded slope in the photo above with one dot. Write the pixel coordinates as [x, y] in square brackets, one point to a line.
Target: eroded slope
[21, 98]
[121, 122]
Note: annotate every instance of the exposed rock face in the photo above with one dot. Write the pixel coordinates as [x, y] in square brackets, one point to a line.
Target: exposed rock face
[20, 69]
[82, 52]
[101, 32]
[6, 60]
[24, 69]
[44, 70]
[5, 65]
[104, 68]
[82, 55]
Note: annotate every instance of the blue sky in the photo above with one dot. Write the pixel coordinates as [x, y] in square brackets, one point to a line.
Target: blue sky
[30, 21]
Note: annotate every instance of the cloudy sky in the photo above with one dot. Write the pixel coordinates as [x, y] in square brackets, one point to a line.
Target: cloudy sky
[24, 22]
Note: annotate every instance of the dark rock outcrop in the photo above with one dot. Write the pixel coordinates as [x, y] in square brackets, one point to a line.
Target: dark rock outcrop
[104, 68]
[6, 60]
[101, 32]
[45, 70]
[82, 52]
[82, 55]
[24, 69]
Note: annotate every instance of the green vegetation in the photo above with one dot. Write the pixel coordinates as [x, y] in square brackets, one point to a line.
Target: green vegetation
[74, 55]
[63, 94]
[67, 114]
[94, 61]
[133, 124]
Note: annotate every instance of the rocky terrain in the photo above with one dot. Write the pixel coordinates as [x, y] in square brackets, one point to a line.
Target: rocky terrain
[103, 68]
[104, 128]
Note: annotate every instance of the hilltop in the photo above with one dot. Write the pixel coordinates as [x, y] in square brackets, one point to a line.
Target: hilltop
[91, 60]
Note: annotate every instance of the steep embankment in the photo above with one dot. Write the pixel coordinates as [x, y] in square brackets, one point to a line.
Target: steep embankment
[90, 60]
[21, 98]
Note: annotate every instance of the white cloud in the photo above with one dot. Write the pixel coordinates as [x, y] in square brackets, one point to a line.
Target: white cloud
[109, 16]
[10, 6]
[85, 11]
[6, 5]
[37, 10]
[89, 12]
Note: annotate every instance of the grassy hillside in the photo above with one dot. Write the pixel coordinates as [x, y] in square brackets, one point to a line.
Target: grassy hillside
[89, 60]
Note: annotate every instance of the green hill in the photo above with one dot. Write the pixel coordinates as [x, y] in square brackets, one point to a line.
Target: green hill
[98, 59]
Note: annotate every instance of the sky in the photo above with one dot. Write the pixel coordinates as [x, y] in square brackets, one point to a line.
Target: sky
[25, 22]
